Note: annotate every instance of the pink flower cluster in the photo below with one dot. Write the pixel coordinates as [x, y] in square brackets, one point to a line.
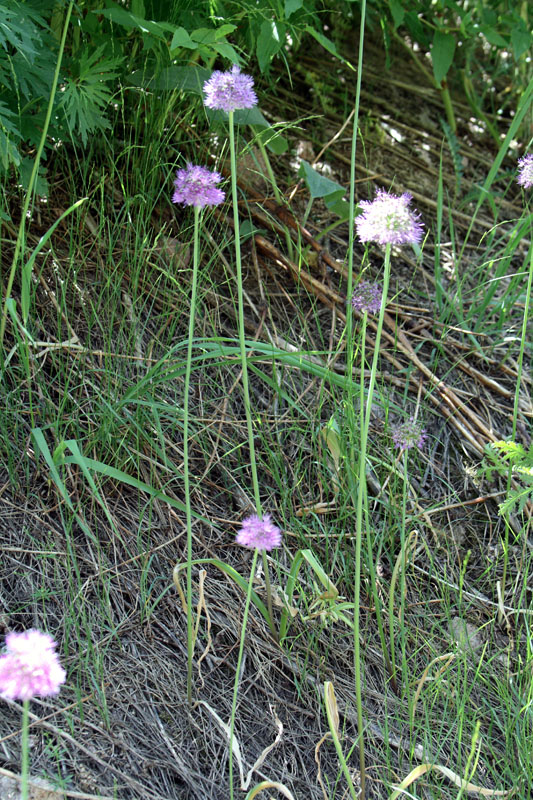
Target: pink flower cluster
[525, 172]
[30, 666]
[196, 186]
[367, 297]
[229, 91]
[259, 533]
[409, 434]
[389, 220]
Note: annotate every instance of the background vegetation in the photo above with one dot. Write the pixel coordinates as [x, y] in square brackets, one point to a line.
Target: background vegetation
[100, 102]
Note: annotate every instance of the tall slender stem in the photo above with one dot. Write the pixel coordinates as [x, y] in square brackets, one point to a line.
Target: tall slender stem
[186, 478]
[350, 415]
[523, 338]
[25, 754]
[244, 363]
[240, 300]
[361, 489]
[238, 670]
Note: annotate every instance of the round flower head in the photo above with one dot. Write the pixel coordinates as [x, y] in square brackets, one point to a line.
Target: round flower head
[30, 666]
[260, 533]
[525, 172]
[388, 220]
[367, 297]
[410, 434]
[196, 186]
[229, 91]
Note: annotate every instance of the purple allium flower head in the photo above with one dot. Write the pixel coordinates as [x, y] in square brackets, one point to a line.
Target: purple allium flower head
[196, 186]
[30, 666]
[409, 434]
[229, 91]
[525, 173]
[388, 220]
[367, 297]
[260, 533]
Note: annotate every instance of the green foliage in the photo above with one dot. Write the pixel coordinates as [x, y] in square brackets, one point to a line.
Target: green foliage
[320, 186]
[467, 41]
[86, 92]
[139, 43]
[501, 457]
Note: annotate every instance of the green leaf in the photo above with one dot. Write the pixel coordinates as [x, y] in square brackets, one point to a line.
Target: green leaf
[291, 6]
[223, 31]
[9, 135]
[86, 95]
[337, 205]
[275, 142]
[269, 42]
[442, 53]
[204, 35]
[189, 79]
[181, 38]
[120, 16]
[493, 37]
[226, 50]
[25, 170]
[398, 12]
[318, 185]
[326, 43]
[520, 40]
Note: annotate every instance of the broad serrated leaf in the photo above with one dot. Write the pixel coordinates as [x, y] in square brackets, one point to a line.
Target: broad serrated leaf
[442, 53]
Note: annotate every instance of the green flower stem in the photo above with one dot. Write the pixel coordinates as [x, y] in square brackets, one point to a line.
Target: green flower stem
[402, 576]
[186, 479]
[25, 751]
[350, 413]
[361, 489]
[238, 671]
[244, 364]
[525, 320]
[29, 194]
[370, 556]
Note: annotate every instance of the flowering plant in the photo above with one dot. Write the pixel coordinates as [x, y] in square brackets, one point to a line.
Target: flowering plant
[389, 220]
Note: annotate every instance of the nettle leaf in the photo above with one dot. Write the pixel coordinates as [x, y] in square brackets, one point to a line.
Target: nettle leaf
[442, 53]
